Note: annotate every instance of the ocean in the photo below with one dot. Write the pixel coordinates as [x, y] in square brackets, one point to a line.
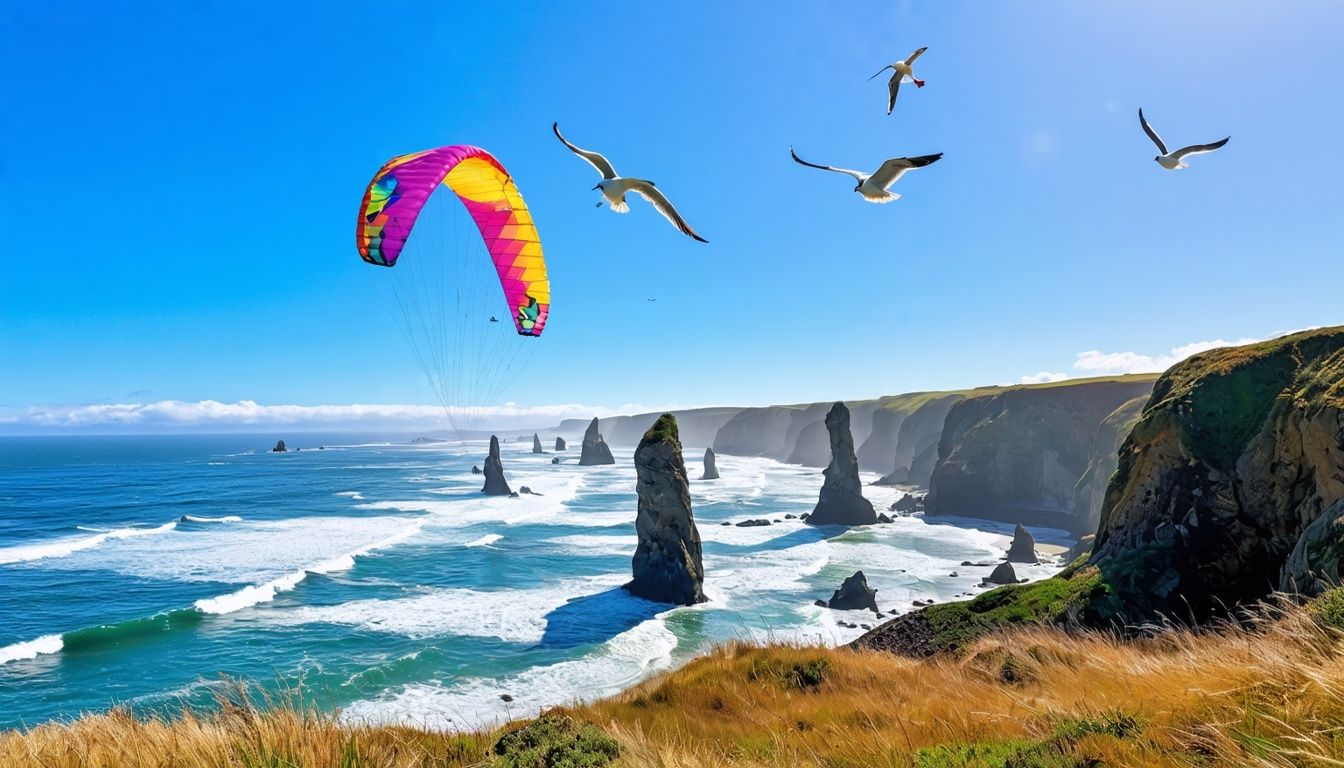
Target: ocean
[373, 576]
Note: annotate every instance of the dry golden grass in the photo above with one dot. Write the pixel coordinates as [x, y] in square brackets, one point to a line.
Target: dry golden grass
[1271, 696]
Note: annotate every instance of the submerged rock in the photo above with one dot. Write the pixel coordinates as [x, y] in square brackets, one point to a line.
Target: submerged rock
[555, 460]
[279, 447]
[667, 564]
[495, 485]
[559, 443]
[711, 470]
[854, 594]
[755, 523]
[841, 501]
[536, 443]
[1023, 548]
[595, 449]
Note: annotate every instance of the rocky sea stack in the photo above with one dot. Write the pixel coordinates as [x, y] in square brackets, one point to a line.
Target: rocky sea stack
[559, 443]
[1023, 548]
[536, 443]
[854, 594]
[495, 484]
[279, 447]
[842, 501]
[711, 469]
[595, 449]
[667, 566]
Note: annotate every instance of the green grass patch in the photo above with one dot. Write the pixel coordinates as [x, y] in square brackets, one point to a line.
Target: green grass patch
[1329, 608]
[552, 741]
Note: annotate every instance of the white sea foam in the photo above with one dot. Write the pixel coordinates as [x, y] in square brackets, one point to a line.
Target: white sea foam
[68, 546]
[256, 594]
[512, 615]
[224, 519]
[470, 703]
[484, 541]
[356, 495]
[31, 649]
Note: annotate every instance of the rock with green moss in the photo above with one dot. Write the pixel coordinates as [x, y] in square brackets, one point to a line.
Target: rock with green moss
[667, 565]
[1239, 452]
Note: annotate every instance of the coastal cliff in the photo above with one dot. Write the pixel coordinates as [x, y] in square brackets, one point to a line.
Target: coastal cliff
[917, 440]
[1239, 452]
[1017, 453]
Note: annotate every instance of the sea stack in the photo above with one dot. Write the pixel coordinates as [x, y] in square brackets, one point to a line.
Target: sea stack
[842, 501]
[1023, 548]
[559, 443]
[495, 484]
[595, 450]
[536, 443]
[854, 594]
[279, 447]
[711, 470]
[667, 566]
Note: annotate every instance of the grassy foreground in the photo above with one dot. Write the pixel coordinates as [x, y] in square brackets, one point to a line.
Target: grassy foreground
[1270, 693]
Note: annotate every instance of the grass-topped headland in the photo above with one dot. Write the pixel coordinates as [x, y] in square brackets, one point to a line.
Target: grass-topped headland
[1266, 692]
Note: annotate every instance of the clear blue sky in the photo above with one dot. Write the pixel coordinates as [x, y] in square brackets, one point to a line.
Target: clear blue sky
[179, 183]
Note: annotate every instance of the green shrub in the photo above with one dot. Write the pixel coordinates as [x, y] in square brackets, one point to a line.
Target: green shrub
[552, 741]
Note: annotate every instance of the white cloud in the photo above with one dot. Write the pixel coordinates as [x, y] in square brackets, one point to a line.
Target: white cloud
[1096, 362]
[178, 414]
[1043, 377]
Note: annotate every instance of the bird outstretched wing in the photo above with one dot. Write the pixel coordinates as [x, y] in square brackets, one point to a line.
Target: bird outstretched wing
[1148, 129]
[648, 191]
[602, 164]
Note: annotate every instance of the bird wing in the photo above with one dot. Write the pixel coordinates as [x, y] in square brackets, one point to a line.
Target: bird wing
[857, 175]
[602, 164]
[893, 88]
[1148, 129]
[916, 55]
[661, 204]
[896, 167]
[1198, 149]
[880, 71]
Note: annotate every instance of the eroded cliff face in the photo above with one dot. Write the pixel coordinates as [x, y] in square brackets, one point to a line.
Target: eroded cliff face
[1090, 491]
[1237, 457]
[917, 441]
[1017, 453]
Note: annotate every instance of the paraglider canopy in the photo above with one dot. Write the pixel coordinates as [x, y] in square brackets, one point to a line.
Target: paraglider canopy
[393, 201]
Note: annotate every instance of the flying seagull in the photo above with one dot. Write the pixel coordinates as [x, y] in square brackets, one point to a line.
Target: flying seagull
[1174, 161]
[614, 187]
[901, 71]
[873, 186]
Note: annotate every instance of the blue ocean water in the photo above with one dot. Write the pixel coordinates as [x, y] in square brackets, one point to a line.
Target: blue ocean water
[373, 575]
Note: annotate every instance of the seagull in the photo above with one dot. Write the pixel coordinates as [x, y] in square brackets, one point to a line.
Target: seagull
[1174, 161]
[873, 186]
[650, 299]
[614, 187]
[902, 71]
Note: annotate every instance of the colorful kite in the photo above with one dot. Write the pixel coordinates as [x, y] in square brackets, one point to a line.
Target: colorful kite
[400, 189]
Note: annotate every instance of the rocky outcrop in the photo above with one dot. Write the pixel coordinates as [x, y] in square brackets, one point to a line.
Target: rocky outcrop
[475, 470]
[1082, 547]
[1003, 574]
[711, 468]
[595, 449]
[1017, 453]
[854, 594]
[495, 484]
[1023, 548]
[279, 447]
[559, 444]
[536, 443]
[1223, 484]
[1103, 457]
[841, 501]
[667, 564]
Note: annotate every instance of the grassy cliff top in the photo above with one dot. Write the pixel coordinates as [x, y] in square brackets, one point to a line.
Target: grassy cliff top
[1221, 397]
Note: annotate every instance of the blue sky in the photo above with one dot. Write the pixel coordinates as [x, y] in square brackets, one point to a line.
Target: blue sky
[179, 182]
